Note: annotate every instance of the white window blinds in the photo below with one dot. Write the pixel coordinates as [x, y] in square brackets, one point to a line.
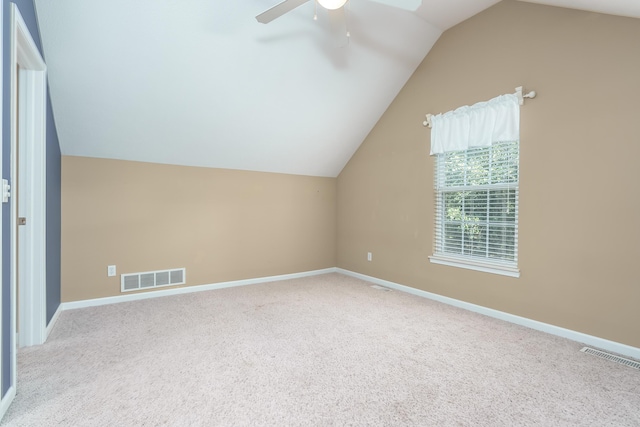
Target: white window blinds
[476, 209]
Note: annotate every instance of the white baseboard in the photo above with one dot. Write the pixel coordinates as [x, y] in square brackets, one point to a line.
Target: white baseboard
[188, 289]
[7, 399]
[591, 340]
[580, 337]
[52, 322]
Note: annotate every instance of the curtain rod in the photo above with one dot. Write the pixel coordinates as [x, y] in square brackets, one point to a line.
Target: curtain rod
[518, 93]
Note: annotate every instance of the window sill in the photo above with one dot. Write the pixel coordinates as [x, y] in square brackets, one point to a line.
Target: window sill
[476, 265]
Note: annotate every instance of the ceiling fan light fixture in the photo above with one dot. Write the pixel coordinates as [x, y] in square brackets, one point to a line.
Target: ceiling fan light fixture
[332, 4]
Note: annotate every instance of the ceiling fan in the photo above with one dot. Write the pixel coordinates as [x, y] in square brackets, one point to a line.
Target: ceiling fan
[335, 8]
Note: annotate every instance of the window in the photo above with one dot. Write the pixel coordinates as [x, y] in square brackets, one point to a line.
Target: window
[476, 217]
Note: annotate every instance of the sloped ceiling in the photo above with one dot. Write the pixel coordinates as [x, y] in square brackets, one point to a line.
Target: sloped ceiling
[201, 83]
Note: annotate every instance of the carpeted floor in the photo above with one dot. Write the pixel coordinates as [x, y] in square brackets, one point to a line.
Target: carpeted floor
[320, 351]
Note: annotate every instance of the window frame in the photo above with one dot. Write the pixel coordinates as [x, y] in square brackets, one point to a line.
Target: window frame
[478, 263]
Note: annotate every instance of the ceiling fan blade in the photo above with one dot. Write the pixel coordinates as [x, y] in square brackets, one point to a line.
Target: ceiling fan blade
[338, 19]
[279, 10]
[401, 4]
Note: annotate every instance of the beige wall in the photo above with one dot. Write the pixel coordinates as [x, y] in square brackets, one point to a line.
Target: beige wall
[580, 149]
[220, 224]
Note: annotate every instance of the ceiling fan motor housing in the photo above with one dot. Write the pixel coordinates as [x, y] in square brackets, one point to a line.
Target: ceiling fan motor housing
[332, 4]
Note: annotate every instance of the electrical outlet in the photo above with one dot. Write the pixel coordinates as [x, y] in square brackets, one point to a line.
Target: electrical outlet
[111, 270]
[369, 256]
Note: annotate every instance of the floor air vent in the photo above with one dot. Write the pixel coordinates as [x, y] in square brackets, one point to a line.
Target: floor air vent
[152, 279]
[611, 357]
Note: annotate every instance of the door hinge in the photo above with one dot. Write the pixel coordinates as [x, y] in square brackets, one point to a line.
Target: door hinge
[6, 191]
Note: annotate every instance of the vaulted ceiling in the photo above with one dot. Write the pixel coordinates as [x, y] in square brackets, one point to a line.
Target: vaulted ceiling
[202, 83]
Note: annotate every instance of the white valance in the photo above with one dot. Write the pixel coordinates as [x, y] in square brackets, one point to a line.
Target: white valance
[478, 125]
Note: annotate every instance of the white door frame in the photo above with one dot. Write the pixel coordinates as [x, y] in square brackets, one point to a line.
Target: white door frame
[28, 178]
[32, 133]
[11, 392]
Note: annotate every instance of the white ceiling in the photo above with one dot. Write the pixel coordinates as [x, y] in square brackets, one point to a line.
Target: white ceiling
[630, 8]
[201, 83]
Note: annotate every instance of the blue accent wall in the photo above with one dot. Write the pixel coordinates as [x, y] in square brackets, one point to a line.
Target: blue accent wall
[27, 10]
[54, 219]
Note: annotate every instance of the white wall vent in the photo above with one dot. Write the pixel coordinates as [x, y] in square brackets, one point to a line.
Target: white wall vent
[611, 357]
[152, 279]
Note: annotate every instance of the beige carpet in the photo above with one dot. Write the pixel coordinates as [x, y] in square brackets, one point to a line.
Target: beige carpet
[321, 351]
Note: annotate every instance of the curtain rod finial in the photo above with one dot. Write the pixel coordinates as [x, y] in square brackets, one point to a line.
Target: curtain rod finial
[522, 96]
